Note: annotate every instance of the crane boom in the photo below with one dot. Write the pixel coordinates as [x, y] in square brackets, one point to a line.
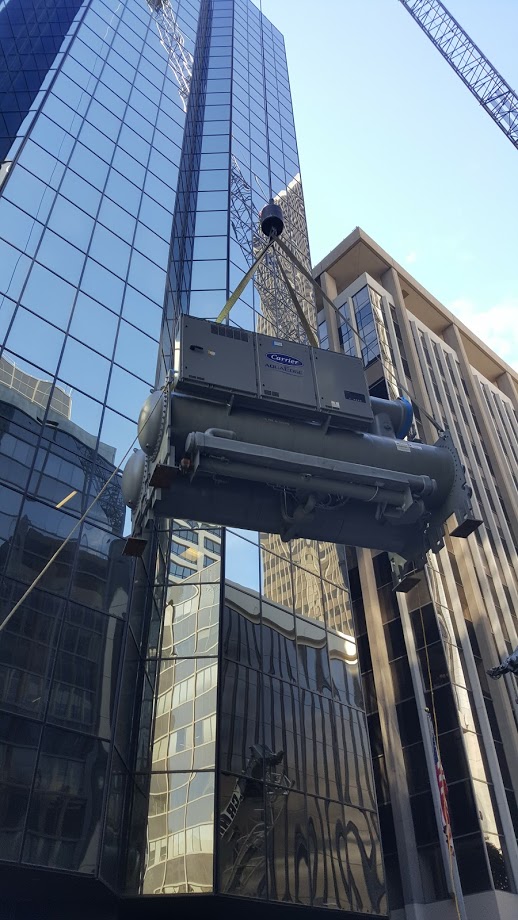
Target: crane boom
[467, 60]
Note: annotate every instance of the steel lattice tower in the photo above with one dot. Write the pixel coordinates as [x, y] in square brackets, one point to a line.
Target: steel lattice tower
[467, 60]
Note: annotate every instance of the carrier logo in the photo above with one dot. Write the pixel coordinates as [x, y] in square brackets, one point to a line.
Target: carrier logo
[287, 360]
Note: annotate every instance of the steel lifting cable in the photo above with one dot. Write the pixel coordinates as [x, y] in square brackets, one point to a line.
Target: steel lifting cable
[253, 212]
[311, 336]
[318, 289]
[165, 389]
[303, 319]
[222, 316]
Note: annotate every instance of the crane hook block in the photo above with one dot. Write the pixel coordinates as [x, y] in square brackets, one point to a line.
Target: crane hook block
[272, 222]
[275, 436]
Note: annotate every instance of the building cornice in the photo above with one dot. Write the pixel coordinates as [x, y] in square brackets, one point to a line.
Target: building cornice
[359, 253]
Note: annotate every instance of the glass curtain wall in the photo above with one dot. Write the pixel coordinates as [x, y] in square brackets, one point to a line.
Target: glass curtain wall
[266, 742]
[31, 47]
[144, 145]
[85, 224]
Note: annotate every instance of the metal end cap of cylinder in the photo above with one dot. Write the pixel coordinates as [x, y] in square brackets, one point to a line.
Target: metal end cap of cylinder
[151, 423]
[272, 223]
[132, 479]
[407, 417]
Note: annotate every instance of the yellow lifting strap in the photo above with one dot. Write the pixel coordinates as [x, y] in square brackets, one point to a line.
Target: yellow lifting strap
[242, 284]
[312, 339]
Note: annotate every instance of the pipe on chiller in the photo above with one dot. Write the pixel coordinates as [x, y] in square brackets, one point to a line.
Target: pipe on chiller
[354, 490]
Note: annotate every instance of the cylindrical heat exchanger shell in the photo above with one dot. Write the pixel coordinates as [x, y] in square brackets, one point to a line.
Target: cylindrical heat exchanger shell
[190, 414]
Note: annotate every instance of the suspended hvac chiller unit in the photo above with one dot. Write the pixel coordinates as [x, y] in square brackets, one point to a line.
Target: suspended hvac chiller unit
[274, 436]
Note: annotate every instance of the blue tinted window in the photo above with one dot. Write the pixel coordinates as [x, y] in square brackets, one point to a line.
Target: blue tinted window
[208, 274]
[151, 245]
[156, 217]
[87, 164]
[13, 269]
[136, 350]
[102, 285]
[127, 393]
[42, 164]
[210, 247]
[118, 220]
[29, 192]
[129, 167]
[94, 325]
[70, 93]
[6, 315]
[123, 192]
[18, 227]
[78, 190]
[110, 101]
[142, 312]
[110, 250]
[53, 135]
[61, 257]
[213, 180]
[147, 277]
[212, 201]
[48, 295]
[157, 189]
[134, 144]
[97, 142]
[27, 30]
[83, 368]
[142, 127]
[35, 340]
[215, 143]
[71, 222]
[208, 223]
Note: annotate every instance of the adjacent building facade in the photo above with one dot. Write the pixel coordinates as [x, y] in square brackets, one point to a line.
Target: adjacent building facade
[189, 724]
[424, 654]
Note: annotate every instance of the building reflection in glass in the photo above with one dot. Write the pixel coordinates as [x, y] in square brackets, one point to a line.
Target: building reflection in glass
[297, 819]
[180, 823]
[287, 795]
[258, 695]
[278, 316]
[60, 653]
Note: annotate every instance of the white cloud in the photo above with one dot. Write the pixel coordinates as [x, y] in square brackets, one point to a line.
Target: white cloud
[411, 257]
[496, 326]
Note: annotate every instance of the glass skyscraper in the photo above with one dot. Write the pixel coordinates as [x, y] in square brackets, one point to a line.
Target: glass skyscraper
[188, 724]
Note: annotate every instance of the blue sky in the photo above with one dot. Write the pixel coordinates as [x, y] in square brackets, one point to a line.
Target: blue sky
[391, 140]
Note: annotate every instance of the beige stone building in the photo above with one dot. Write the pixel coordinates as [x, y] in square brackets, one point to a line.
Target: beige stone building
[424, 654]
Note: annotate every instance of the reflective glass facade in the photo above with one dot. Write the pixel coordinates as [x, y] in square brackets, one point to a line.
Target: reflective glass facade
[86, 216]
[192, 722]
[31, 36]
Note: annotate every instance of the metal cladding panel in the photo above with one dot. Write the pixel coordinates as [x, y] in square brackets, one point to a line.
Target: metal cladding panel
[341, 386]
[216, 356]
[285, 371]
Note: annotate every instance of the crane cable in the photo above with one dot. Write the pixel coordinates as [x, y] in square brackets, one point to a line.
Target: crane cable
[274, 238]
[165, 389]
[318, 289]
[310, 333]
[224, 313]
